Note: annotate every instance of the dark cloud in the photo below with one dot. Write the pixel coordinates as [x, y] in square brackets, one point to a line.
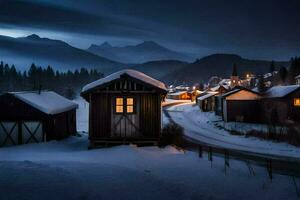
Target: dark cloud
[253, 28]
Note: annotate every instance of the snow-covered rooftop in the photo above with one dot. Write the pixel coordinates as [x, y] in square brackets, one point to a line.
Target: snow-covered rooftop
[46, 101]
[132, 73]
[177, 93]
[207, 96]
[281, 91]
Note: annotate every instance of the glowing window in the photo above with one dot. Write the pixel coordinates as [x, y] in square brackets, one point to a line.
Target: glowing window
[297, 102]
[119, 105]
[129, 105]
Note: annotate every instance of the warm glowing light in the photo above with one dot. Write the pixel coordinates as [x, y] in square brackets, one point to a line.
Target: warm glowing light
[129, 106]
[119, 105]
[297, 102]
[194, 87]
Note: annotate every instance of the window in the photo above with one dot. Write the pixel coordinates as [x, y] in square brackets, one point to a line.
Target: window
[119, 105]
[125, 104]
[129, 105]
[296, 101]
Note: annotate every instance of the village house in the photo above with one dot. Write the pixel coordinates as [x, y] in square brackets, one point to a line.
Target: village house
[278, 105]
[125, 107]
[241, 105]
[206, 101]
[37, 116]
[180, 95]
[281, 105]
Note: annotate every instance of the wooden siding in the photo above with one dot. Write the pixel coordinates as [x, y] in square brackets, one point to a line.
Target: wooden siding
[102, 117]
[243, 111]
[55, 127]
[150, 117]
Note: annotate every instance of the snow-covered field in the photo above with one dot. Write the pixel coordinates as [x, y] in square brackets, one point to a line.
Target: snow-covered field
[201, 126]
[67, 170]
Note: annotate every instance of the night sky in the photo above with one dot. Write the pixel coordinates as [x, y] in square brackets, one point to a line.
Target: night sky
[262, 29]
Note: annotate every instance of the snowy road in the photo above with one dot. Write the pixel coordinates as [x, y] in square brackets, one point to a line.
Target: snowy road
[200, 127]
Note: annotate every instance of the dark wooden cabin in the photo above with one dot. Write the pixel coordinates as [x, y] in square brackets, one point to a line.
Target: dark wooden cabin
[281, 105]
[241, 105]
[28, 117]
[124, 107]
[206, 101]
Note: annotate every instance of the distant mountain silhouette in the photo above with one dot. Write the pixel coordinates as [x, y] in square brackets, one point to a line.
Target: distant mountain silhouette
[143, 52]
[218, 65]
[43, 51]
[159, 69]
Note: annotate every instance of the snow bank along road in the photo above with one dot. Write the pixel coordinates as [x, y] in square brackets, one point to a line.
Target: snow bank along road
[200, 126]
[67, 170]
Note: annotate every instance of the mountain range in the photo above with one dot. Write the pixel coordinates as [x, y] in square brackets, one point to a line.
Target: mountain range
[218, 65]
[140, 53]
[23, 51]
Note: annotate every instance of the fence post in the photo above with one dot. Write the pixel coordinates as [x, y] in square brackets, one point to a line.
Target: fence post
[200, 151]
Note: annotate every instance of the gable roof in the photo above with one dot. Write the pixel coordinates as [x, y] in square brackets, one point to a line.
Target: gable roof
[47, 102]
[132, 73]
[207, 95]
[237, 89]
[177, 93]
[280, 91]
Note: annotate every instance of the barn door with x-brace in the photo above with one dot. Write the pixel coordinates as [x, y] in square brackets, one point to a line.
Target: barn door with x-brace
[20, 132]
[32, 131]
[8, 133]
[125, 117]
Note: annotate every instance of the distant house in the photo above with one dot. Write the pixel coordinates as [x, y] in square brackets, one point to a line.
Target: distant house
[125, 107]
[181, 95]
[28, 117]
[241, 105]
[206, 101]
[281, 104]
[220, 89]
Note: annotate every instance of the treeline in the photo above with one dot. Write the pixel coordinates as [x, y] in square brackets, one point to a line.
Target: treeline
[66, 83]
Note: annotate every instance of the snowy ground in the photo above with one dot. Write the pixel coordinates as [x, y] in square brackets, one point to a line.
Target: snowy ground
[67, 170]
[201, 126]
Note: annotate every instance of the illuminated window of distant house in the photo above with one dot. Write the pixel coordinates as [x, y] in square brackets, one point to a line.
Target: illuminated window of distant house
[297, 102]
[129, 105]
[119, 105]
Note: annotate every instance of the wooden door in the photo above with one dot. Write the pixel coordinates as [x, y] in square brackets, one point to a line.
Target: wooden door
[8, 133]
[125, 117]
[32, 132]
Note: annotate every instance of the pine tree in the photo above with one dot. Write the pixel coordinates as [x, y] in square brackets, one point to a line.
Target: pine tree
[283, 73]
[234, 70]
[272, 66]
[261, 84]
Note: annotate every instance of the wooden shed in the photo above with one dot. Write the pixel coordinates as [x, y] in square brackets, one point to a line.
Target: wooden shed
[180, 95]
[241, 105]
[281, 105]
[28, 117]
[124, 107]
[206, 101]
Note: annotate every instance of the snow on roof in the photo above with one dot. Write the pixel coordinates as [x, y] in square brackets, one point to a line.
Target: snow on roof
[132, 73]
[207, 96]
[296, 77]
[46, 101]
[231, 92]
[267, 75]
[280, 91]
[177, 93]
